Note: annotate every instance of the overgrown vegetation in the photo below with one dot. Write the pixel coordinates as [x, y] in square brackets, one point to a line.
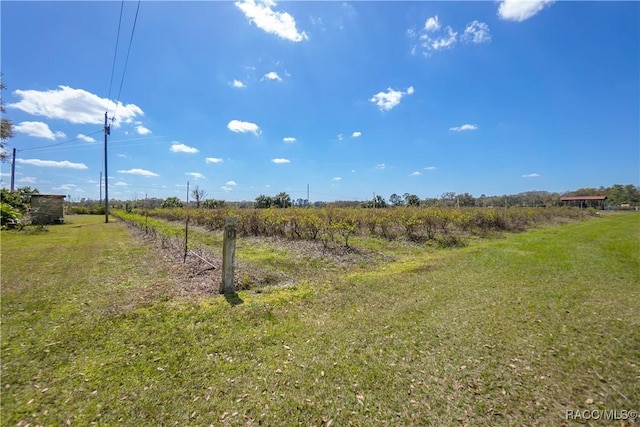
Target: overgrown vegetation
[514, 331]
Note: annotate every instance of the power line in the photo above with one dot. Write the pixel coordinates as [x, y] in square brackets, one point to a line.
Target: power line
[115, 53]
[133, 29]
[59, 143]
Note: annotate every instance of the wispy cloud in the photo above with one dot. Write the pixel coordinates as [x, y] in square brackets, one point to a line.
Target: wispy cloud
[73, 105]
[38, 130]
[231, 183]
[226, 189]
[213, 160]
[432, 24]
[243, 127]
[463, 128]
[430, 168]
[121, 184]
[476, 32]
[272, 75]
[183, 148]
[281, 24]
[531, 175]
[416, 173]
[356, 134]
[435, 37]
[140, 172]
[52, 163]
[518, 10]
[280, 161]
[65, 187]
[195, 175]
[85, 138]
[340, 137]
[381, 166]
[391, 98]
[238, 83]
[336, 178]
[25, 179]
[289, 139]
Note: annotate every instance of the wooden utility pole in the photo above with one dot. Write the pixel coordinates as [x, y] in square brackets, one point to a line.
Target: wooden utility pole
[107, 131]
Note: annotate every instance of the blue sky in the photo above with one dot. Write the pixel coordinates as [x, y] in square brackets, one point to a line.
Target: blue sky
[247, 98]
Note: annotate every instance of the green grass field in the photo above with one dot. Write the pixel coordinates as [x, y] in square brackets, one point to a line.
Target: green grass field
[510, 331]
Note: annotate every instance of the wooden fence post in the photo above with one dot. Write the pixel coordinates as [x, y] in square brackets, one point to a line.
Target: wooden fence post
[228, 254]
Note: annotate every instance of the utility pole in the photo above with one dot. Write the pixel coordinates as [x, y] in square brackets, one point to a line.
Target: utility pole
[13, 170]
[107, 132]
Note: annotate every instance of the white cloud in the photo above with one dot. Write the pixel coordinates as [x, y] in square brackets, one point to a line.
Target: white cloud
[356, 134]
[182, 148]
[464, 128]
[289, 139]
[195, 175]
[85, 138]
[238, 83]
[121, 184]
[272, 75]
[142, 130]
[430, 168]
[476, 32]
[381, 166]
[443, 42]
[65, 187]
[519, 10]
[73, 105]
[213, 160]
[281, 24]
[243, 127]
[387, 100]
[337, 178]
[26, 179]
[340, 136]
[122, 156]
[226, 189]
[416, 173]
[141, 172]
[52, 164]
[280, 161]
[231, 183]
[432, 24]
[531, 175]
[38, 130]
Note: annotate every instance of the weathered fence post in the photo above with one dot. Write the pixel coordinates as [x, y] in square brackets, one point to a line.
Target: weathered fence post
[228, 253]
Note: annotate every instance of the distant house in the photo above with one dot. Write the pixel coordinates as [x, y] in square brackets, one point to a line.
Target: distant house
[585, 201]
[47, 209]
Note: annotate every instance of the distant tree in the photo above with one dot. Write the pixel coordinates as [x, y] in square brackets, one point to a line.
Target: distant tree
[396, 200]
[213, 204]
[379, 202]
[6, 125]
[465, 199]
[198, 194]
[411, 199]
[282, 200]
[171, 202]
[263, 202]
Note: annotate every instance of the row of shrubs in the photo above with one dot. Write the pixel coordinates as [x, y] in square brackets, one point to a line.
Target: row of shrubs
[411, 223]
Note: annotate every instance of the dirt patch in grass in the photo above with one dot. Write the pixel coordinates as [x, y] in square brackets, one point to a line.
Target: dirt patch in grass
[200, 272]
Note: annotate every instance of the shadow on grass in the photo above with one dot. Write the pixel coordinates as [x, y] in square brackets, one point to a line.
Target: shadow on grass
[233, 299]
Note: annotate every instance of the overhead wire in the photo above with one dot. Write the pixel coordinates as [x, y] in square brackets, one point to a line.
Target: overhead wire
[115, 53]
[59, 143]
[133, 29]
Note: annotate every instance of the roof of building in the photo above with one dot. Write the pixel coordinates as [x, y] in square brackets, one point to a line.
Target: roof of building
[578, 198]
[48, 195]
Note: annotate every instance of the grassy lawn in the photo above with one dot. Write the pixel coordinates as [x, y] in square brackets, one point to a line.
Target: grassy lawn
[511, 331]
